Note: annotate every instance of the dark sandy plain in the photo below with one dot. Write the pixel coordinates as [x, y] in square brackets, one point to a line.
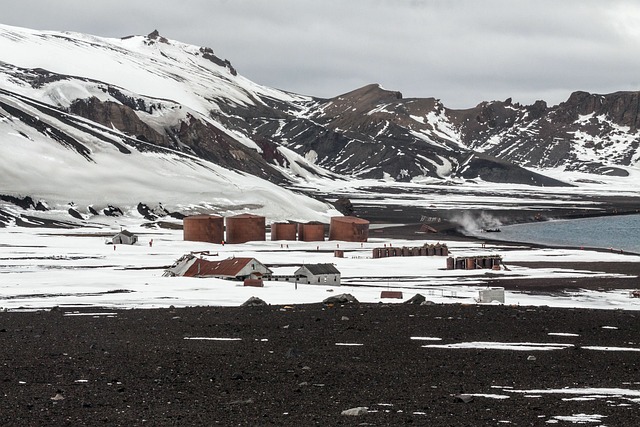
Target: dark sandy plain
[289, 365]
[286, 366]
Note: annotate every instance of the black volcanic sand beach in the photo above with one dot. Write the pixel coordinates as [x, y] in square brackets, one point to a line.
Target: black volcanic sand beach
[136, 368]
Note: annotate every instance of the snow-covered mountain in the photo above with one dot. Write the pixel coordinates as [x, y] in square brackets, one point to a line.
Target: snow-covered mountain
[93, 122]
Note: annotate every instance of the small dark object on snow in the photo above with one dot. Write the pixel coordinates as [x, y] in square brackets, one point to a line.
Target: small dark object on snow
[341, 299]
[254, 302]
[416, 299]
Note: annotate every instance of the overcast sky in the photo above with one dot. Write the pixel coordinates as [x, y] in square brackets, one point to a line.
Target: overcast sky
[460, 51]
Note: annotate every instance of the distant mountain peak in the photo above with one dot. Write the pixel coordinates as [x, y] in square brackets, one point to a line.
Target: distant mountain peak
[148, 97]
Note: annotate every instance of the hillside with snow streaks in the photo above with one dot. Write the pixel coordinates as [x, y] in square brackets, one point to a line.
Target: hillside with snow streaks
[101, 121]
[95, 173]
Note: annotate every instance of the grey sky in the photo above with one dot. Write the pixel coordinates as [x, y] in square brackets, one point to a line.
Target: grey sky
[461, 51]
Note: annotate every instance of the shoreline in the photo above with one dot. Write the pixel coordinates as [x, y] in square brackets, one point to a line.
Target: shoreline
[451, 230]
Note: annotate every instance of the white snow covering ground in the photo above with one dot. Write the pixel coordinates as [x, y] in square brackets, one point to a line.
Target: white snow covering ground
[43, 268]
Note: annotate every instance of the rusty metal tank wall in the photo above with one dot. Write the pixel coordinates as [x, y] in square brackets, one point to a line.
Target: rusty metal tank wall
[349, 229]
[203, 228]
[245, 228]
[283, 231]
[311, 232]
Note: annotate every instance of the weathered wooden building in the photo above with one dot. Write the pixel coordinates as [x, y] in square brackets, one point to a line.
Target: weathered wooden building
[124, 237]
[230, 268]
[318, 274]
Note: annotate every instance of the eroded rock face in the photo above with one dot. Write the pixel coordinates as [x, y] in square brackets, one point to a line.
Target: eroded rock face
[190, 135]
[121, 116]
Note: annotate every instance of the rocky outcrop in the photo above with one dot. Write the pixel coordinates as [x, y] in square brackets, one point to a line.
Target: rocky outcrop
[120, 116]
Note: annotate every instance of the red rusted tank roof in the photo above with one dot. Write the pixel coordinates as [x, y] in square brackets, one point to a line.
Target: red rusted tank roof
[228, 267]
[351, 219]
[202, 216]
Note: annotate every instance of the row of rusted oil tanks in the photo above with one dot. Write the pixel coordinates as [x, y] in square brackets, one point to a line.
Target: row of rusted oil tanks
[252, 228]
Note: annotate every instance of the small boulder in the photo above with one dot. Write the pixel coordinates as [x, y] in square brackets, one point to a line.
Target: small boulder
[254, 302]
[355, 412]
[464, 398]
[341, 299]
[416, 299]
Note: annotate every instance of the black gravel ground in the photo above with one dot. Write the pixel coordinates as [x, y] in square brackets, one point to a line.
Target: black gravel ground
[136, 368]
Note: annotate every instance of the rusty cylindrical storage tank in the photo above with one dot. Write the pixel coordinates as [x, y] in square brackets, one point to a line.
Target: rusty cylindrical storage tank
[349, 229]
[203, 228]
[245, 228]
[311, 232]
[283, 231]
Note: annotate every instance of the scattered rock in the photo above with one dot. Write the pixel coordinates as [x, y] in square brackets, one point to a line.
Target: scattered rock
[416, 299]
[344, 206]
[294, 352]
[464, 398]
[532, 357]
[254, 302]
[112, 211]
[74, 213]
[341, 299]
[355, 412]
[57, 397]
[344, 318]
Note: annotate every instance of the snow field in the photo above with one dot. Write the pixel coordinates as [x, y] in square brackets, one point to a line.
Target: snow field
[42, 268]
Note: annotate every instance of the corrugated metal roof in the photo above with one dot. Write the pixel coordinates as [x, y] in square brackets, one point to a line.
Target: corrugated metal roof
[317, 269]
[229, 267]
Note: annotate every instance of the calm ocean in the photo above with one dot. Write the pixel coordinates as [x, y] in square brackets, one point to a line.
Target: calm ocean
[618, 232]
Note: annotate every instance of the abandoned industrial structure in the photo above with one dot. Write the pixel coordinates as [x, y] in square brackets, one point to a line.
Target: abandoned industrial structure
[311, 274]
[349, 229]
[203, 228]
[245, 228]
[231, 268]
[283, 231]
[476, 262]
[424, 250]
[251, 228]
[124, 237]
[318, 274]
[311, 232]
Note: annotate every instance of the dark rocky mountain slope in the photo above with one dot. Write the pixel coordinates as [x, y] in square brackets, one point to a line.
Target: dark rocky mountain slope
[182, 98]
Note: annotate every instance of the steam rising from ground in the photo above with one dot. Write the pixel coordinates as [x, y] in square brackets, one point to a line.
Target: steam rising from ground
[472, 223]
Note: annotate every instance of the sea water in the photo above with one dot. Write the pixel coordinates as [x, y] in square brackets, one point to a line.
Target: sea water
[621, 232]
